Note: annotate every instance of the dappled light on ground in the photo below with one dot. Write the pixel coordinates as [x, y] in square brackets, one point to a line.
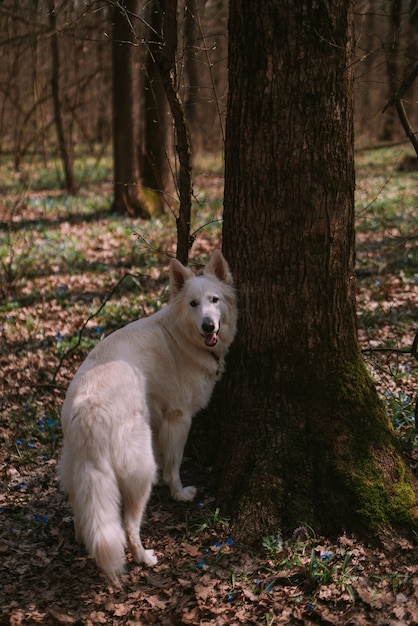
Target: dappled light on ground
[60, 260]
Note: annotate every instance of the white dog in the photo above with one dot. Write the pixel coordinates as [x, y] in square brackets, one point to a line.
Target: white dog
[136, 393]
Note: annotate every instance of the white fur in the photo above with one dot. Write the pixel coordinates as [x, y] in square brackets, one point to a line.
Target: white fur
[136, 393]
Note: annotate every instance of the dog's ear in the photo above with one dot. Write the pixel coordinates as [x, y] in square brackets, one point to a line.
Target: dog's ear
[219, 267]
[178, 276]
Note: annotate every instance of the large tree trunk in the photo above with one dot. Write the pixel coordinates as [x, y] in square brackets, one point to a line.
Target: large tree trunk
[303, 436]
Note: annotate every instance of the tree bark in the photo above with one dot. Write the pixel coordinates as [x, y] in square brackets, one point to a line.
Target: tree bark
[303, 437]
[191, 71]
[155, 159]
[129, 195]
[63, 142]
[166, 63]
[392, 49]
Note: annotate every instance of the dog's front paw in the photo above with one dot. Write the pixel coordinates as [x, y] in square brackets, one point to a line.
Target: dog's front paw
[185, 494]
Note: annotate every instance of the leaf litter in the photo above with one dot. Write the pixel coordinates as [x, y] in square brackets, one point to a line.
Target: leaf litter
[202, 576]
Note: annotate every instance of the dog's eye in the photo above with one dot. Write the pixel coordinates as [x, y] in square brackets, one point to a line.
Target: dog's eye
[215, 299]
[194, 303]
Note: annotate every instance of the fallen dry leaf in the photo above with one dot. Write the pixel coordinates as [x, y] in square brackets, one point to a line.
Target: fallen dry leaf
[46, 577]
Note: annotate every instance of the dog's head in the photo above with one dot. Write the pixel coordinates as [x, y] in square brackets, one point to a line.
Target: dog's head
[209, 298]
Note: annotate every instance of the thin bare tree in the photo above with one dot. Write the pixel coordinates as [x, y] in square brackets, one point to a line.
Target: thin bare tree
[64, 141]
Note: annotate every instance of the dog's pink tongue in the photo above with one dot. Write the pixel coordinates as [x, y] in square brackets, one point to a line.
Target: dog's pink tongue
[211, 340]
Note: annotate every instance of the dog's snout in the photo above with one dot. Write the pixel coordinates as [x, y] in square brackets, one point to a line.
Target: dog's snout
[208, 325]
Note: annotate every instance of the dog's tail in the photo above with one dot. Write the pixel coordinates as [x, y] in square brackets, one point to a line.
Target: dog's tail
[97, 518]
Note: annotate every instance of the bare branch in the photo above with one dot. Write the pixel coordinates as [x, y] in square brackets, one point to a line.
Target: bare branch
[92, 316]
[396, 100]
[165, 58]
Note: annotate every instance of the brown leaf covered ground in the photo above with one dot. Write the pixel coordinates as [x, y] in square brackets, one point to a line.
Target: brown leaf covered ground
[60, 259]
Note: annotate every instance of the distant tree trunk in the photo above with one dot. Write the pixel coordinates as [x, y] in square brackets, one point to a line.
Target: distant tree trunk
[129, 195]
[367, 44]
[191, 70]
[302, 435]
[155, 158]
[166, 63]
[392, 50]
[63, 141]
[410, 95]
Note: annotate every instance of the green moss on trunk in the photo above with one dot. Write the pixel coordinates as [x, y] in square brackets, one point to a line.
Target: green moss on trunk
[382, 500]
[373, 466]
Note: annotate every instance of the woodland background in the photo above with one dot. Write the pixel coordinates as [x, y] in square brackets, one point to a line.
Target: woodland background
[72, 269]
[64, 48]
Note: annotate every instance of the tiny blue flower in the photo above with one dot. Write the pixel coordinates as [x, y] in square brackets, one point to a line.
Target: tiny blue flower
[19, 442]
[325, 556]
[99, 330]
[60, 291]
[206, 550]
[58, 336]
[22, 486]
[201, 564]
[32, 445]
[201, 504]
[310, 606]
[300, 533]
[217, 544]
[49, 422]
[229, 541]
[230, 597]
[269, 587]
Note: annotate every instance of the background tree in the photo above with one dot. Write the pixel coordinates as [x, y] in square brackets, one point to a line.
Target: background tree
[27, 118]
[167, 68]
[64, 143]
[191, 71]
[393, 62]
[304, 436]
[386, 50]
[129, 195]
[155, 132]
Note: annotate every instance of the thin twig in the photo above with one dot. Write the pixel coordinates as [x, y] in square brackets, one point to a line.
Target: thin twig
[151, 247]
[92, 316]
[193, 234]
[413, 351]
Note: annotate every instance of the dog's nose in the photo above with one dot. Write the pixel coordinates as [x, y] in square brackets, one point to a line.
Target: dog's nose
[207, 325]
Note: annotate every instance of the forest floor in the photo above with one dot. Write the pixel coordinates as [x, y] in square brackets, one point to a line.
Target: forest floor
[67, 265]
